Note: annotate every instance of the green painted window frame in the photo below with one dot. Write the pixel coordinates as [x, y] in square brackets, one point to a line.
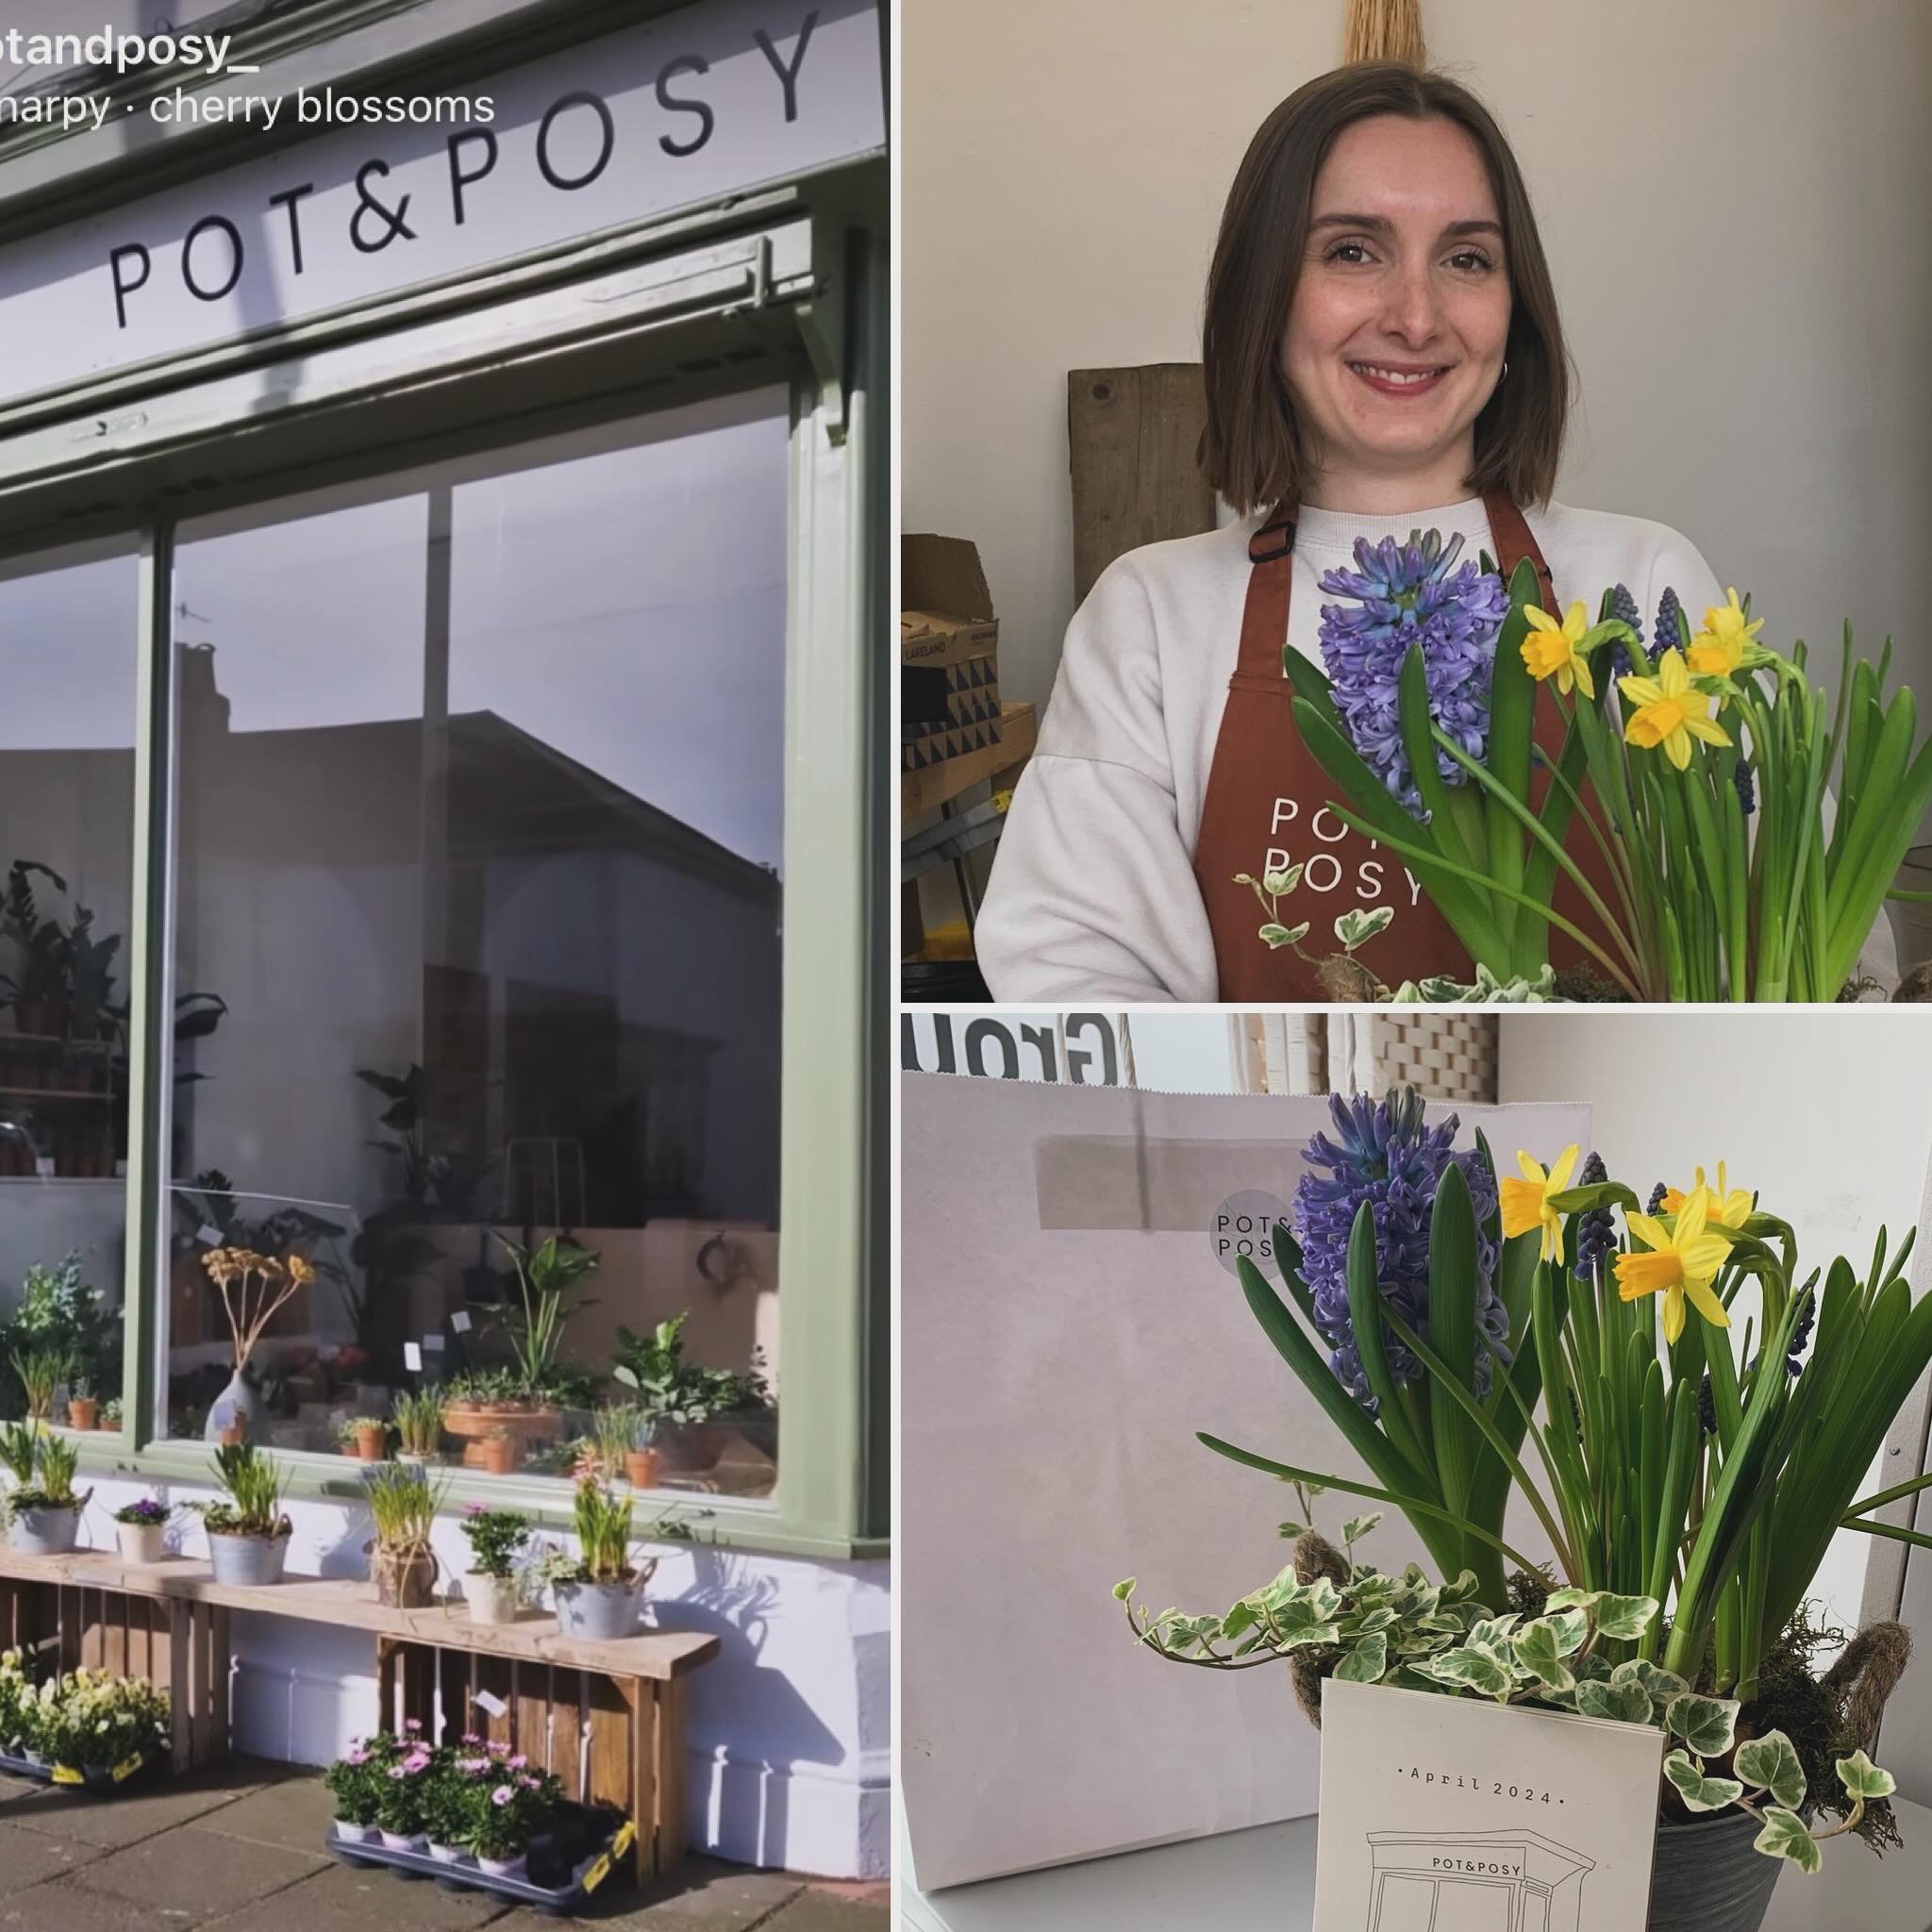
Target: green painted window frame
[832, 1499]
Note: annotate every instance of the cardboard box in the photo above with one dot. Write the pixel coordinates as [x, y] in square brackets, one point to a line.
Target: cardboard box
[949, 688]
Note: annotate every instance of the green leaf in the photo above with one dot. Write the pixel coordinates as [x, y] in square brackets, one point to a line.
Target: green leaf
[1536, 1650]
[1124, 1590]
[1625, 1703]
[1784, 1837]
[1771, 1763]
[1292, 1529]
[1700, 1793]
[1357, 929]
[1471, 1670]
[1707, 1725]
[1862, 1778]
[1624, 1618]
[1359, 1527]
[1279, 936]
[1366, 1662]
[1660, 1685]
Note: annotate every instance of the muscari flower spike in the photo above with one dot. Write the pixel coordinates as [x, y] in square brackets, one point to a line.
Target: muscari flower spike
[1623, 608]
[1407, 595]
[1665, 635]
[1386, 1153]
[1596, 1232]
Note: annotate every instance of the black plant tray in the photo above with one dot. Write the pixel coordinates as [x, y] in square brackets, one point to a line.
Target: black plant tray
[101, 1783]
[559, 1874]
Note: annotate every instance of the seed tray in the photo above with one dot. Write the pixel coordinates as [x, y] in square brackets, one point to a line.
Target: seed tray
[559, 1874]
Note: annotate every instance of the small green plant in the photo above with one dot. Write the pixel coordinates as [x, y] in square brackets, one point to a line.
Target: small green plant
[404, 1502]
[111, 1413]
[615, 1432]
[545, 1277]
[497, 1537]
[253, 1485]
[360, 1424]
[419, 1421]
[19, 1448]
[673, 1391]
[603, 1522]
[40, 1370]
[50, 1470]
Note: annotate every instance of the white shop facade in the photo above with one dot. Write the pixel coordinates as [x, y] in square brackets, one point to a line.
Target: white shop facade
[438, 552]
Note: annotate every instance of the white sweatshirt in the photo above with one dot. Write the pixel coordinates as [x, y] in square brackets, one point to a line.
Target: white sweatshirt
[1092, 894]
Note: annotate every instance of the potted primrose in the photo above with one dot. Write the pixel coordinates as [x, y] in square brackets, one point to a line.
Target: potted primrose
[248, 1534]
[404, 1502]
[491, 1585]
[1614, 1355]
[139, 1528]
[42, 1505]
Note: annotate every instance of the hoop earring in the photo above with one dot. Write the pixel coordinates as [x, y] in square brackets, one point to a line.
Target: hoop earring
[1505, 376]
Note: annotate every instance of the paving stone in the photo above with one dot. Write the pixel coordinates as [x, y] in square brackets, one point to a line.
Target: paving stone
[113, 1822]
[28, 1857]
[65, 1907]
[821, 1911]
[197, 1872]
[346, 1896]
[702, 1895]
[295, 1813]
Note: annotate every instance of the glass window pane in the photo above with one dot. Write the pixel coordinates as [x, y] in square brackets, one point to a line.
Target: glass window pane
[67, 663]
[481, 819]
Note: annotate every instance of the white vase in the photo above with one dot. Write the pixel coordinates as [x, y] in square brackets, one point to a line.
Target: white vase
[142, 1542]
[237, 1403]
[491, 1599]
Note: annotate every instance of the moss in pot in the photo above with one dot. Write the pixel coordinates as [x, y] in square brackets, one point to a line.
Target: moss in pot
[248, 1533]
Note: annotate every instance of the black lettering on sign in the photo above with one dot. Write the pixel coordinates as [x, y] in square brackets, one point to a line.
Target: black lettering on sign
[788, 77]
[287, 198]
[128, 251]
[393, 218]
[199, 230]
[583, 97]
[458, 179]
[686, 63]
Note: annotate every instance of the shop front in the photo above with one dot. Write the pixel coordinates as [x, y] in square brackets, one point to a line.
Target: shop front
[441, 515]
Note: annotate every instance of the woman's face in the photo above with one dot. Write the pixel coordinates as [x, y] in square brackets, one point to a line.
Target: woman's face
[1396, 332]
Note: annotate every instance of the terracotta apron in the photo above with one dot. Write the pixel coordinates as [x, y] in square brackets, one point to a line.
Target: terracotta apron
[1267, 808]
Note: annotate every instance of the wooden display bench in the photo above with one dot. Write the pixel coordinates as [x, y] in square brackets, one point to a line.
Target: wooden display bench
[607, 1718]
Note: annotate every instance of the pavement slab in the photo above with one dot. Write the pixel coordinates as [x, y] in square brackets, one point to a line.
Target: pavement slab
[294, 1814]
[65, 1907]
[28, 1857]
[194, 1876]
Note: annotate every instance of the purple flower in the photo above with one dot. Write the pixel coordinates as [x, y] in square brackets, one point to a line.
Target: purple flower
[1408, 594]
[472, 1738]
[358, 1757]
[417, 1760]
[530, 1784]
[518, 1762]
[1385, 1154]
[396, 1773]
[1665, 636]
[412, 1723]
[501, 1796]
[497, 1749]
[472, 1765]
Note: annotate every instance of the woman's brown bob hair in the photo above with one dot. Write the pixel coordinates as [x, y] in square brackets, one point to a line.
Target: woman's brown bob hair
[1253, 449]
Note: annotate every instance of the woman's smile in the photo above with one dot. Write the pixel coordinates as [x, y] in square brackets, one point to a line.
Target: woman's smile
[1402, 380]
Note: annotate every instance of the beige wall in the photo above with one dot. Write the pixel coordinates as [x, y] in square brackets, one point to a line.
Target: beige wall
[1734, 197]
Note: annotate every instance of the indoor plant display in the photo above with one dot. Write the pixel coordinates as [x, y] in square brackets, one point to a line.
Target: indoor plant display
[1689, 1489]
[37, 988]
[418, 1423]
[367, 1435]
[110, 1414]
[248, 1534]
[60, 1314]
[616, 1446]
[497, 1538]
[685, 1402]
[42, 1507]
[404, 1502]
[254, 1288]
[598, 1589]
[139, 1528]
[482, 1402]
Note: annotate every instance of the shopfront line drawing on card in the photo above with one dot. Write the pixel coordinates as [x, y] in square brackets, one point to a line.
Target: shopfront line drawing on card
[1474, 1881]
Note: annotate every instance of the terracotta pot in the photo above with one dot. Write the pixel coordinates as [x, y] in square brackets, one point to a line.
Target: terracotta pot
[83, 1413]
[688, 1448]
[498, 1454]
[369, 1443]
[640, 1469]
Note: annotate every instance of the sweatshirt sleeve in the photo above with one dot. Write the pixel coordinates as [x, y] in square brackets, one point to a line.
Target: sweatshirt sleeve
[1092, 893]
[1678, 565]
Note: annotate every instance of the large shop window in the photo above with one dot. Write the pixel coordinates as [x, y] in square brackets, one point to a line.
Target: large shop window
[68, 662]
[480, 815]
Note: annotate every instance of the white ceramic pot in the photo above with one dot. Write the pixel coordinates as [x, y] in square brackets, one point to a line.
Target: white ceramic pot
[491, 1599]
[445, 1854]
[237, 1403]
[404, 1842]
[354, 1834]
[142, 1542]
[502, 1868]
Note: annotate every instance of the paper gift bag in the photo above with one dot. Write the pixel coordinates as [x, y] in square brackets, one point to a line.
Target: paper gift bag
[1065, 1328]
[1457, 1814]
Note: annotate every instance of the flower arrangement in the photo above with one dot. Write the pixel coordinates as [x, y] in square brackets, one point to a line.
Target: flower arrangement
[254, 1288]
[87, 1722]
[1699, 769]
[1688, 1491]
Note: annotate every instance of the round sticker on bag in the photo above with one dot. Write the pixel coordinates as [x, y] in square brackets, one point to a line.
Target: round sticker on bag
[1243, 1228]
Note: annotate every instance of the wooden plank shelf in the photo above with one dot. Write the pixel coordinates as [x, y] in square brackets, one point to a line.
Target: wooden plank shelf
[607, 1718]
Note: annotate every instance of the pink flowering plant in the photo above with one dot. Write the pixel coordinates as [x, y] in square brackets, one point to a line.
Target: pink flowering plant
[401, 1789]
[356, 1781]
[506, 1800]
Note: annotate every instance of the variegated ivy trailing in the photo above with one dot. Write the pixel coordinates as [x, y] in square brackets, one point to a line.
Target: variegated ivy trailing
[1405, 1631]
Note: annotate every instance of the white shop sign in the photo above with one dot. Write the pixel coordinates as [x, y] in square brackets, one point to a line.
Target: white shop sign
[707, 100]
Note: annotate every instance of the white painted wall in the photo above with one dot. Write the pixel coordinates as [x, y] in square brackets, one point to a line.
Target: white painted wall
[1827, 1115]
[1732, 198]
[789, 1729]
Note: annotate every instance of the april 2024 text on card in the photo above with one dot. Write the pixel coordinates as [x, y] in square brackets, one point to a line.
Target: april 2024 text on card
[1445, 1814]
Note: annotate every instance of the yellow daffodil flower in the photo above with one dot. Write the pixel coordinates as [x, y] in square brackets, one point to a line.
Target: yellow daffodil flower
[1719, 649]
[1669, 714]
[1526, 1202]
[1550, 650]
[1724, 1204]
[1684, 1262]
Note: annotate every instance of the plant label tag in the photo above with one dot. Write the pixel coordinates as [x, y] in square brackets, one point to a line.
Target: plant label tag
[490, 1701]
[127, 1767]
[435, 1343]
[626, 1836]
[1456, 1811]
[66, 1774]
[597, 1873]
[209, 1233]
[412, 1357]
[460, 1321]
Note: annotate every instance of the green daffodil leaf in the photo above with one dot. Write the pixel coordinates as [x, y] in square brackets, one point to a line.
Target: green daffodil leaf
[1707, 1725]
[1625, 1703]
[1700, 1793]
[1862, 1778]
[1624, 1618]
[1771, 1763]
[1784, 1837]
[1366, 1662]
[1539, 1651]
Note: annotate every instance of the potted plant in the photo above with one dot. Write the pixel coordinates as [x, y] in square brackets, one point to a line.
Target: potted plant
[101, 1723]
[139, 1527]
[404, 1502]
[254, 1288]
[110, 1414]
[598, 1589]
[453, 1807]
[83, 1405]
[516, 1803]
[248, 1534]
[42, 1505]
[368, 1435]
[497, 1538]
[356, 1782]
[418, 1425]
[688, 1404]
[400, 1792]
[17, 1703]
[40, 1370]
[500, 1450]
[1693, 1604]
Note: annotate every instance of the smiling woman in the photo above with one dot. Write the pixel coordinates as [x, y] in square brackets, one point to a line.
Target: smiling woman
[1387, 393]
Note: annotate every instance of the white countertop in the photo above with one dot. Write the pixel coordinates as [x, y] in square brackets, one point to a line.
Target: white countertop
[1266, 1878]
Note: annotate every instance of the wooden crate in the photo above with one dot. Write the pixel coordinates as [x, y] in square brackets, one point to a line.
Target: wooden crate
[179, 1644]
[610, 1737]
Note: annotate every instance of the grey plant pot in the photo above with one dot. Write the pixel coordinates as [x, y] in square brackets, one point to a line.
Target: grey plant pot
[47, 1532]
[248, 1559]
[597, 1610]
[1707, 1878]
